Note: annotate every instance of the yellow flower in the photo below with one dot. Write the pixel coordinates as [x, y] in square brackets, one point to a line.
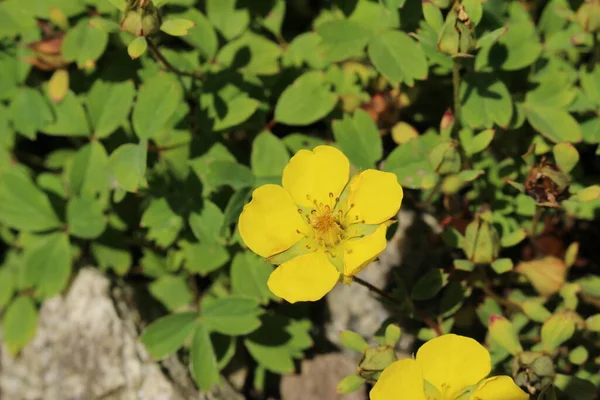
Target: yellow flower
[449, 367]
[320, 225]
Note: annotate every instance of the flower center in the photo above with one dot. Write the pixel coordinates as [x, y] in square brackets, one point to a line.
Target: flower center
[327, 227]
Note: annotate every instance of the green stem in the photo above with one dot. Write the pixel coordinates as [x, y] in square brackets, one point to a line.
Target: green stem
[456, 93]
[595, 56]
[161, 58]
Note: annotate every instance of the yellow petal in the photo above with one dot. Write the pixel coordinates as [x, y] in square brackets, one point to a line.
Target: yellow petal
[375, 196]
[452, 362]
[269, 224]
[401, 380]
[358, 253]
[308, 277]
[499, 388]
[316, 174]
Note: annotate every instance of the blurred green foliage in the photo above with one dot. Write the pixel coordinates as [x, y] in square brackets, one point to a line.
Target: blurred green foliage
[133, 132]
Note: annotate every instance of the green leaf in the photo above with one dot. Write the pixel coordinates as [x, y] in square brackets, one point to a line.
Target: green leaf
[429, 285]
[167, 334]
[104, 24]
[576, 388]
[177, 27]
[206, 225]
[85, 217]
[8, 285]
[269, 157]
[590, 83]
[518, 48]
[137, 47]
[156, 103]
[172, 291]
[274, 19]
[163, 223]
[230, 20]
[278, 341]
[410, 163]
[349, 384]
[71, 119]
[578, 355]
[556, 124]
[29, 112]
[109, 104]
[358, 137]
[502, 265]
[204, 258]
[485, 101]
[202, 36]
[249, 276]
[513, 238]
[503, 333]
[305, 101]
[19, 324]
[24, 206]
[251, 53]
[84, 43]
[398, 57]
[474, 10]
[566, 156]
[231, 316]
[593, 323]
[343, 39]
[553, 89]
[535, 310]
[229, 173]
[88, 173]
[203, 363]
[225, 104]
[111, 252]
[392, 335]
[353, 341]
[128, 165]
[477, 143]
[48, 264]
[557, 330]
[298, 141]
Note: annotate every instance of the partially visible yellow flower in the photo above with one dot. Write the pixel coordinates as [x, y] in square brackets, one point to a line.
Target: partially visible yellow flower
[320, 225]
[449, 367]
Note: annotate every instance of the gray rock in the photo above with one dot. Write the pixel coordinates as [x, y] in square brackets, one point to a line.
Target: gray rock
[318, 379]
[87, 348]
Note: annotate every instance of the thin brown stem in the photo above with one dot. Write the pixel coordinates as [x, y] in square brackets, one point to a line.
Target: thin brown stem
[375, 289]
[426, 319]
[499, 299]
[534, 223]
[161, 58]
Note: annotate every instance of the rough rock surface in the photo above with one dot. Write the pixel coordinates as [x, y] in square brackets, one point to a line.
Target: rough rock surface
[87, 348]
[319, 378]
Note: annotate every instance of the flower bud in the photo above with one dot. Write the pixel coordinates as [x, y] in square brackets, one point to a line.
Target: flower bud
[141, 21]
[375, 360]
[456, 35]
[543, 366]
[535, 370]
[482, 243]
